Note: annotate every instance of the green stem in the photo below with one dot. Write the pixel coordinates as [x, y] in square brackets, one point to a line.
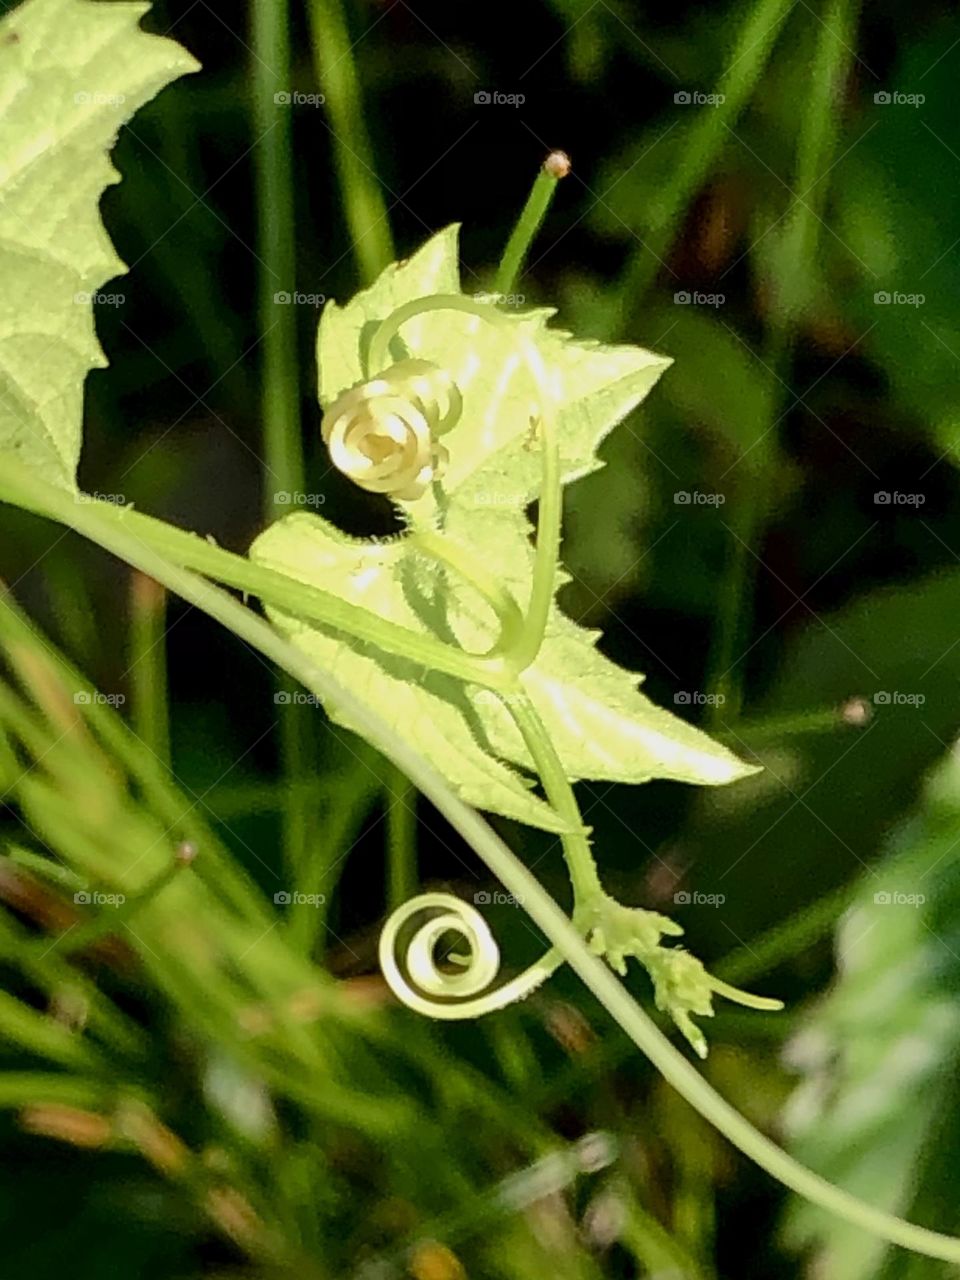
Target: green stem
[525, 888]
[280, 399]
[401, 800]
[109, 526]
[148, 665]
[280, 396]
[576, 844]
[336, 70]
[528, 224]
[816, 143]
[709, 133]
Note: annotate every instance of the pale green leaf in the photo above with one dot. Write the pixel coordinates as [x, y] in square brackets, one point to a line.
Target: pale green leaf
[71, 73]
[429, 710]
[601, 726]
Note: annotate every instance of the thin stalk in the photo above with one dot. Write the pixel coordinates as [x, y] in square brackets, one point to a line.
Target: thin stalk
[401, 799]
[816, 143]
[148, 665]
[515, 877]
[107, 525]
[280, 397]
[749, 53]
[576, 845]
[336, 70]
[528, 224]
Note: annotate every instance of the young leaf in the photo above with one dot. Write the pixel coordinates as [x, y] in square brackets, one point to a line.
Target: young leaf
[71, 73]
[601, 726]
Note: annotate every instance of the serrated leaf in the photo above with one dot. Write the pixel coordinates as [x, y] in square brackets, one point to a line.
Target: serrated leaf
[71, 73]
[429, 710]
[601, 726]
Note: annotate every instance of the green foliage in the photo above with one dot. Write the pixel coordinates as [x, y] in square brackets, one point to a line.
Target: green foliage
[71, 73]
[878, 1052]
[599, 724]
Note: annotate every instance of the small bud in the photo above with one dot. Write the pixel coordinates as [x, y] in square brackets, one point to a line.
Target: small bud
[855, 711]
[557, 164]
[185, 852]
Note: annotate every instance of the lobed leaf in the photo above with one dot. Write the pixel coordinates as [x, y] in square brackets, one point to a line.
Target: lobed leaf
[71, 73]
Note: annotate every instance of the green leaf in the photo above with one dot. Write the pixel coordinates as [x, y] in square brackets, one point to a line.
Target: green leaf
[71, 73]
[888, 1031]
[600, 724]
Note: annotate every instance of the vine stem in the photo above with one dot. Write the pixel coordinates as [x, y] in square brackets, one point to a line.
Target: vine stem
[111, 526]
[148, 664]
[283, 468]
[528, 224]
[366, 212]
[542, 909]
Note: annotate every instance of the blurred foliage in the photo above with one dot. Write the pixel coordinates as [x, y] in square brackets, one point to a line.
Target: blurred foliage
[208, 1085]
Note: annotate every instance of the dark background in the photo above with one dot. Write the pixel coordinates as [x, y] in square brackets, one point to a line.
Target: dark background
[796, 402]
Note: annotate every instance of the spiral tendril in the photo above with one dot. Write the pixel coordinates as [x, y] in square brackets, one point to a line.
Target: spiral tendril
[382, 434]
[413, 971]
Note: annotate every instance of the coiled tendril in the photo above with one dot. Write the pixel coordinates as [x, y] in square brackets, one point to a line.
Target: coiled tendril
[460, 990]
[383, 433]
